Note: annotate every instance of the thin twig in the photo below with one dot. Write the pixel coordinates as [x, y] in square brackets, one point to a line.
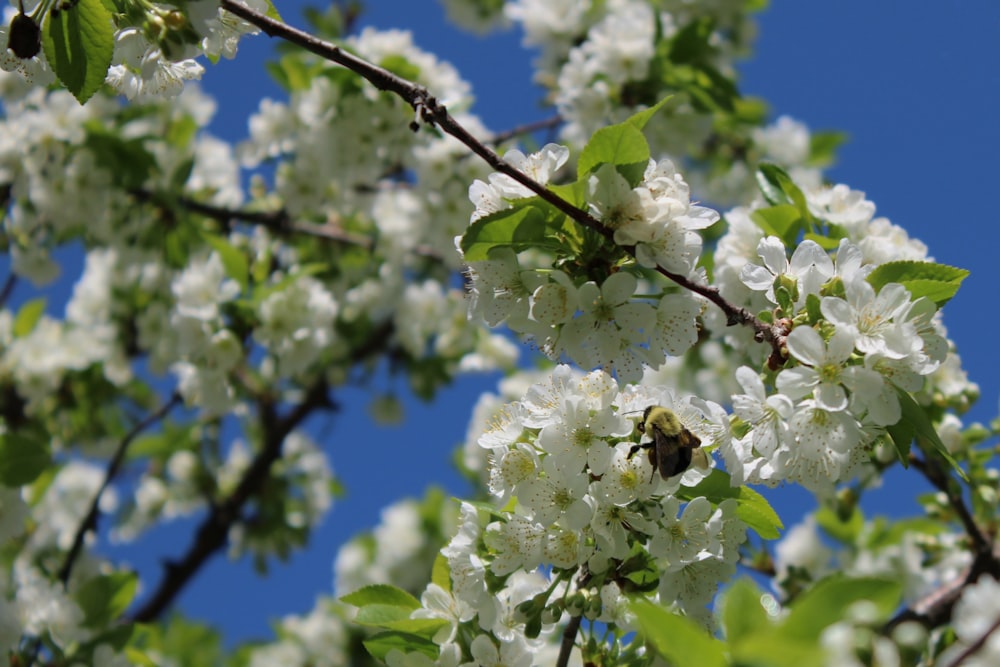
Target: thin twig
[528, 128]
[90, 520]
[277, 221]
[431, 111]
[976, 645]
[568, 640]
[936, 475]
[213, 532]
[7, 289]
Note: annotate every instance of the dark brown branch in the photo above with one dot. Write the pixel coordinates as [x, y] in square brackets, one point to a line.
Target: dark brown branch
[277, 221]
[935, 609]
[213, 531]
[8, 289]
[431, 111]
[568, 640]
[976, 645]
[89, 522]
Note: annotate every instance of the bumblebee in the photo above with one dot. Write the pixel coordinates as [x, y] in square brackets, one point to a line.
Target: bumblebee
[672, 447]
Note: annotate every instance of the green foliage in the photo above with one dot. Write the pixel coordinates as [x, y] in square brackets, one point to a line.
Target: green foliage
[520, 228]
[622, 145]
[78, 43]
[105, 598]
[781, 220]
[751, 507]
[779, 188]
[915, 423]
[742, 615]
[937, 282]
[126, 159]
[758, 639]
[184, 642]
[233, 260]
[24, 455]
[678, 639]
[387, 607]
[27, 317]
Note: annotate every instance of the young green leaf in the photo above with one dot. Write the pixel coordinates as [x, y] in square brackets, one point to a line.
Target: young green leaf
[105, 598]
[382, 594]
[233, 260]
[27, 317]
[23, 457]
[937, 282]
[924, 431]
[827, 602]
[78, 43]
[680, 640]
[380, 645]
[621, 145]
[742, 614]
[518, 228]
[751, 507]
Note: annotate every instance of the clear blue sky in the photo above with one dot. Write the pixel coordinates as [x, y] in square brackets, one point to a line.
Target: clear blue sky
[916, 85]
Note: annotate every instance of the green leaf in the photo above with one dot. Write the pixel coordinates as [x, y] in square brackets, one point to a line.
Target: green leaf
[915, 416]
[379, 615]
[902, 433]
[779, 188]
[24, 455]
[27, 317]
[742, 614]
[105, 598]
[680, 640]
[621, 145]
[518, 228]
[422, 627]
[272, 11]
[78, 44]
[827, 602]
[233, 260]
[441, 573]
[380, 645]
[639, 119]
[845, 532]
[772, 649]
[381, 594]
[823, 147]
[751, 507]
[781, 220]
[127, 160]
[937, 282]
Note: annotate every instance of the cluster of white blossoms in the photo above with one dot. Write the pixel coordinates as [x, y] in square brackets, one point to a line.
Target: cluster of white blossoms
[841, 391]
[578, 501]
[597, 324]
[656, 216]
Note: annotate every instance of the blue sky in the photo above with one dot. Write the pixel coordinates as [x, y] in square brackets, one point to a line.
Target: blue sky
[916, 86]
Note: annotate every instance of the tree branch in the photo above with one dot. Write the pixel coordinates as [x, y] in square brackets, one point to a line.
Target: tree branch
[90, 520]
[976, 645]
[213, 532]
[528, 128]
[8, 288]
[568, 640]
[277, 221]
[943, 482]
[431, 111]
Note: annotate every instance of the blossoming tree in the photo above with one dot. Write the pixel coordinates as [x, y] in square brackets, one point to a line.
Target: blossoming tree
[692, 355]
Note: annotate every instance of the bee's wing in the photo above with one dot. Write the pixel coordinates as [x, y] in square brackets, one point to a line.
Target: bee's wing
[668, 454]
[688, 439]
